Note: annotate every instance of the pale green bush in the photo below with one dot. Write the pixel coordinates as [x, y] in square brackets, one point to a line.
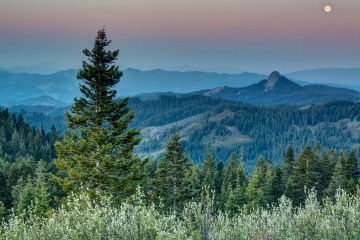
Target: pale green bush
[80, 218]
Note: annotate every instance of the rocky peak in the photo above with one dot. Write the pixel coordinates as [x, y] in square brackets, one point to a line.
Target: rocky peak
[272, 80]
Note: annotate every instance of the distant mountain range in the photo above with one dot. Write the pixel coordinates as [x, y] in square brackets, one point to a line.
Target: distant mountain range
[39, 68]
[41, 101]
[343, 77]
[63, 86]
[277, 90]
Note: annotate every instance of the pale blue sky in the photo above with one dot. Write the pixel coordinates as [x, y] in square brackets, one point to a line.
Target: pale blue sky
[255, 35]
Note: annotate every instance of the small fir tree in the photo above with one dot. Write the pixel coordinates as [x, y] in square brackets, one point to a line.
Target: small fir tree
[339, 178]
[306, 175]
[27, 197]
[208, 171]
[352, 166]
[254, 192]
[278, 187]
[288, 167]
[171, 182]
[218, 178]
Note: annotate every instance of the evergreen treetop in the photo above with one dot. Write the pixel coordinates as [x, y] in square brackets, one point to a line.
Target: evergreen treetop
[96, 154]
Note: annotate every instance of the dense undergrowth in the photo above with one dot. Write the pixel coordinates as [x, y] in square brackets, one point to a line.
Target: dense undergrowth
[80, 218]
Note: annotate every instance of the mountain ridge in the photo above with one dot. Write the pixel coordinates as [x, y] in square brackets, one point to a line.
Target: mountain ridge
[278, 90]
[63, 85]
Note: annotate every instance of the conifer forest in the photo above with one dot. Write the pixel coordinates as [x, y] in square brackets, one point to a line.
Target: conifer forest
[110, 167]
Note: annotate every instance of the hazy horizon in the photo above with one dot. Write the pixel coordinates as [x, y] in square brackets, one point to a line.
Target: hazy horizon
[255, 36]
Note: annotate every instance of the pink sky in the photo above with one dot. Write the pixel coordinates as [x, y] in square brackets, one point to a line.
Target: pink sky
[256, 35]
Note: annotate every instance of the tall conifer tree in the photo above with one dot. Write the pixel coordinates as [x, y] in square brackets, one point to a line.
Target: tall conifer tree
[208, 170]
[171, 183]
[96, 154]
[352, 166]
[306, 175]
[338, 179]
[288, 167]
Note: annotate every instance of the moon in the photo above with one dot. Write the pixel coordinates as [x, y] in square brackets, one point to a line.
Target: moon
[327, 8]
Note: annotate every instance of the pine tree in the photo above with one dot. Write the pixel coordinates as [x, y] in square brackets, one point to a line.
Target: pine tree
[318, 151]
[218, 179]
[326, 172]
[2, 211]
[230, 171]
[254, 192]
[208, 170]
[16, 191]
[288, 171]
[148, 186]
[278, 187]
[241, 180]
[218, 182]
[193, 182]
[268, 187]
[339, 178]
[27, 197]
[331, 155]
[258, 192]
[229, 181]
[262, 168]
[231, 205]
[306, 175]
[171, 184]
[241, 183]
[96, 154]
[5, 191]
[352, 166]
[42, 196]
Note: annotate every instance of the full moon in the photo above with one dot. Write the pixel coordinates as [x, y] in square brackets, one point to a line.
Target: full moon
[327, 8]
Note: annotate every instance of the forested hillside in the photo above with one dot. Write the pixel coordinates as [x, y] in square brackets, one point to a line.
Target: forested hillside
[26, 157]
[277, 90]
[209, 168]
[20, 139]
[227, 126]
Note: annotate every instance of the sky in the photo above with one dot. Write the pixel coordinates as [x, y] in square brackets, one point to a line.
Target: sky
[245, 35]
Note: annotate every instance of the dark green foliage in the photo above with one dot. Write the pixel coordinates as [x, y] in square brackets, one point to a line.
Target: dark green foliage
[171, 184]
[219, 176]
[27, 196]
[258, 191]
[148, 187]
[96, 154]
[231, 205]
[230, 171]
[318, 151]
[254, 191]
[265, 127]
[352, 166]
[241, 183]
[339, 177]
[326, 168]
[42, 192]
[193, 183]
[209, 171]
[46, 116]
[288, 171]
[306, 175]
[2, 211]
[18, 138]
[278, 187]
